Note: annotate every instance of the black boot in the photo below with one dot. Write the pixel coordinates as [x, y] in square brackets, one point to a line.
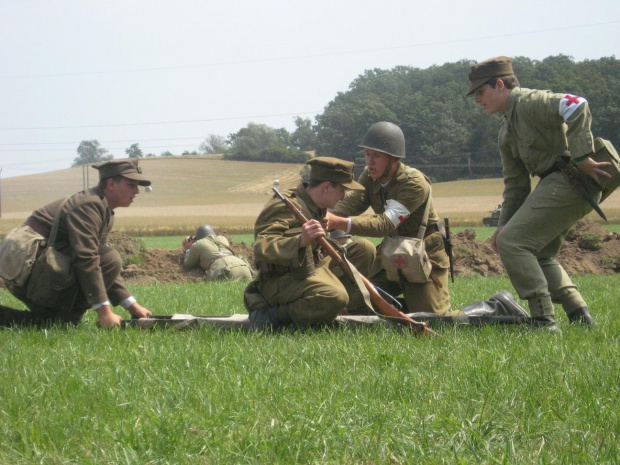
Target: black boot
[545, 323]
[501, 304]
[581, 316]
[267, 318]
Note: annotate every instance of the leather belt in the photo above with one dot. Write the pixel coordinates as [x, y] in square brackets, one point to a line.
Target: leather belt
[550, 170]
[37, 226]
[217, 257]
[272, 271]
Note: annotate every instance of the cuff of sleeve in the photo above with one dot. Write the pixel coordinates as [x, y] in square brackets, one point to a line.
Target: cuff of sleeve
[349, 224]
[99, 305]
[582, 158]
[128, 302]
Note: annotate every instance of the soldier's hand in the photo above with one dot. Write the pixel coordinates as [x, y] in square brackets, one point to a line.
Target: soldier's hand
[494, 239]
[594, 169]
[187, 243]
[335, 222]
[107, 318]
[138, 311]
[309, 232]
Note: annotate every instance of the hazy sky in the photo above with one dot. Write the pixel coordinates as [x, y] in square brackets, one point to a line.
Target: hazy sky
[167, 74]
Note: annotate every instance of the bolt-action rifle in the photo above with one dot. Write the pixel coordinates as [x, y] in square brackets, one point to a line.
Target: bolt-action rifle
[386, 309]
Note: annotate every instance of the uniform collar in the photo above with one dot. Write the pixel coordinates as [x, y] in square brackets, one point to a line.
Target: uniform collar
[512, 100]
[307, 203]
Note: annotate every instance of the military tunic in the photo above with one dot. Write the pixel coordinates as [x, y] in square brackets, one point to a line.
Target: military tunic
[83, 230]
[410, 188]
[299, 282]
[214, 255]
[538, 127]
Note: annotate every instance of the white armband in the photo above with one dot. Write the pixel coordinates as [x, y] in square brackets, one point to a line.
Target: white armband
[569, 104]
[396, 212]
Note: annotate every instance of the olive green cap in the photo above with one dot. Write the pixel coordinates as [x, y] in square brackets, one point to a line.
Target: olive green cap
[127, 168]
[488, 69]
[333, 170]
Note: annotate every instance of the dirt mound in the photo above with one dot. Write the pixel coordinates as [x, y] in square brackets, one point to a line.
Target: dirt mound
[588, 249]
[155, 265]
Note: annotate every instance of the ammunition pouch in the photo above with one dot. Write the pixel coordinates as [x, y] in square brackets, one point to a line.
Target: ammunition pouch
[18, 252]
[604, 151]
[51, 275]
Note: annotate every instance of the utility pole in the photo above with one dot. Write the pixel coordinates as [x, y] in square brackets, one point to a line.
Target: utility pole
[0, 192]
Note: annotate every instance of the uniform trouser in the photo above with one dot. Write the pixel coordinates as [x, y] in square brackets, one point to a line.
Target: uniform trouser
[73, 302]
[529, 242]
[319, 298]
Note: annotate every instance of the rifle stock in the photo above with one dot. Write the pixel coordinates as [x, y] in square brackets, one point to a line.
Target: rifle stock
[384, 306]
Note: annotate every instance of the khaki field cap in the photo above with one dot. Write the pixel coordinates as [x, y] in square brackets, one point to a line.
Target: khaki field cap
[127, 168]
[485, 70]
[334, 170]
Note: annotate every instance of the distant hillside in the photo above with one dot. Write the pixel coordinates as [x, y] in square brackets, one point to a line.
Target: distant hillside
[193, 190]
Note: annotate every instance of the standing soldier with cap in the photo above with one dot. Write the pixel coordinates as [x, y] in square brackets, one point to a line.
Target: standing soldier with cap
[398, 195]
[214, 255]
[295, 283]
[84, 222]
[541, 131]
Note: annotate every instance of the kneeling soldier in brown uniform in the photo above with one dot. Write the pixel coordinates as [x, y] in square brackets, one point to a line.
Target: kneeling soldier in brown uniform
[85, 220]
[294, 279]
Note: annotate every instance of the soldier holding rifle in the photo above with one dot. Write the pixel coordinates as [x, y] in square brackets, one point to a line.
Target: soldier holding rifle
[296, 283]
[541, 134]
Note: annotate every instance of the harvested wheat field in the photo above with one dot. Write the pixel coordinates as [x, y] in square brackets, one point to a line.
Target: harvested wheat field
[190, 190]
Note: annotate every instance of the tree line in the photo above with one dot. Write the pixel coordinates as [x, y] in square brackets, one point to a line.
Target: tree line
[447, 135]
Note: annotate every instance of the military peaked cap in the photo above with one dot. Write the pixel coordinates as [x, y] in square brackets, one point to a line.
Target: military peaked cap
[127, 168]
[333, 170]
[488, 69]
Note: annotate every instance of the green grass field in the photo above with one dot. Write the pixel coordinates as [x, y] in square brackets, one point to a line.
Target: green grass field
[475, 395]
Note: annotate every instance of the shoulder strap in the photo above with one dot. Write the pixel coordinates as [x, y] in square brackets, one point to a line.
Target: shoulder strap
[424, 223]
[52, 239]
[220, 244]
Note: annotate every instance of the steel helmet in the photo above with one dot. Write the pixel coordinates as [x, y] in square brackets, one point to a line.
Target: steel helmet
[204, 231]
[385, 137]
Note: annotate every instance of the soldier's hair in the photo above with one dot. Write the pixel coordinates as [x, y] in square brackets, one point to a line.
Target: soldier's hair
[316, 182]
[510, 81]
[104, 182]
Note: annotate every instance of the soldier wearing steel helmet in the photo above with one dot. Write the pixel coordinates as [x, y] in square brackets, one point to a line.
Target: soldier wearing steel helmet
[213, 254]
[398, 195]
[538, 129]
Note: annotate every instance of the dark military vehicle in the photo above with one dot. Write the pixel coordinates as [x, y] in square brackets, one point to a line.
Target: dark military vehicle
[492, 220]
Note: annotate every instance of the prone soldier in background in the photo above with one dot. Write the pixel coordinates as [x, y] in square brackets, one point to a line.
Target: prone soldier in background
[215, 256]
